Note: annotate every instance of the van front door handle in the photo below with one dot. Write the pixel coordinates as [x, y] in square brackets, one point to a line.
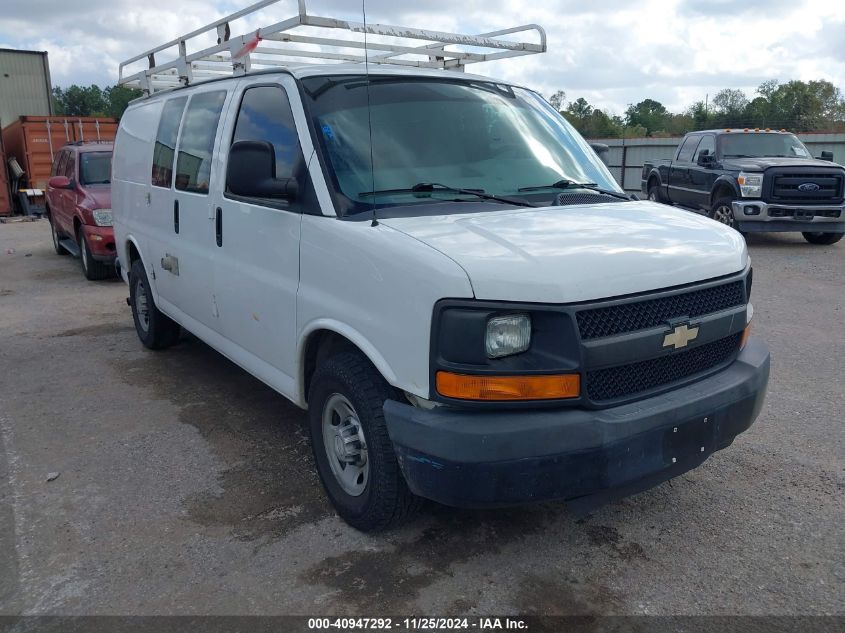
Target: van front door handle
[176, 216]
[218, 226]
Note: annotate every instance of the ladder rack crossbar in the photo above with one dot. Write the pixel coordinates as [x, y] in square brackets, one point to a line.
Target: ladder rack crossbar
[233, 56]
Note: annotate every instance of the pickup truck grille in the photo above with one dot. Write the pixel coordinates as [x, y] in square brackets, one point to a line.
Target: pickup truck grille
[641, 315]
[628, 380]
[786, 187]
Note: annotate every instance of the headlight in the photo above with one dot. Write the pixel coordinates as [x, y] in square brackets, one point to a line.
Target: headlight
[750, 184]
[102, 217]
[507, 335]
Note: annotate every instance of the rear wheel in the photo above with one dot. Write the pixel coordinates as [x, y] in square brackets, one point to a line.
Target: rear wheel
[55, 235]
[355, 457]
[91, 268]
[823, 239]
[155, 329]
[722, 211]
[654, 193]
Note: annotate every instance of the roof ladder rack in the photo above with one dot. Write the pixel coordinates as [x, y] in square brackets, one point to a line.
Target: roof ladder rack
[261, 49]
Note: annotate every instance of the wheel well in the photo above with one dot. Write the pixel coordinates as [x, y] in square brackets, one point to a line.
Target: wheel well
[722, 190]
[76, 225]
[322, 344]
[133, 253]
[652, 180]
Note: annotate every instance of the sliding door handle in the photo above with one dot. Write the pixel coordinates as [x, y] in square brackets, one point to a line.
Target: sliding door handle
[176, 216]
[218, 226]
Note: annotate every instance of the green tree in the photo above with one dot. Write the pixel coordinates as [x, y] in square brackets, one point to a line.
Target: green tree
[118, 98]
[557, 100]
[650, 114]
[730, 106]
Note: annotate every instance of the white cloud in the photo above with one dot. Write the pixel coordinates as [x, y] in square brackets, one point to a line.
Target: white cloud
[613, 53]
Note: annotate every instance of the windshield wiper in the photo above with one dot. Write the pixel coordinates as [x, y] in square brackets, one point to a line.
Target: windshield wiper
[429, 187]
[569, 184]
[739, 156]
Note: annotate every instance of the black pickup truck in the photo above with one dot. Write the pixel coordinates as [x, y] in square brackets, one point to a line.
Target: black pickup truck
[753, 180]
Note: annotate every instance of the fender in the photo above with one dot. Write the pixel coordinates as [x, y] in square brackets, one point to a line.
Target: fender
[723, 181]
[353, 336]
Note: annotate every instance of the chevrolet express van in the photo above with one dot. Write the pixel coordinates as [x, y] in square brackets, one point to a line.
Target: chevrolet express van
[444, 274]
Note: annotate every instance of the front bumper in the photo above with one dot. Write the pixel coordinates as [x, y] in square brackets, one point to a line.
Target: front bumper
[787, 218]
[101, 242]
[487, 459]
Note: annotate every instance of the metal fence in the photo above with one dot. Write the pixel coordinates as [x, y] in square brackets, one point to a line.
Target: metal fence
[626, 156]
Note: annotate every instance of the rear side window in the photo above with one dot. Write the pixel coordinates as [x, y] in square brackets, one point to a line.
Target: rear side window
[265, 115]
[165, 147]
[196, 143]
[688, 148]
[59, 164]
[70, 166]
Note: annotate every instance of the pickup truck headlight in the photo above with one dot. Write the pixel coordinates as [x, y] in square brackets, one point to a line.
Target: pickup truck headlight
[102, 217]
[750, 184]
[507, 335]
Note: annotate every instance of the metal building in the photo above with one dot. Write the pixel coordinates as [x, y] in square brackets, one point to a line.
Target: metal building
[25, 87]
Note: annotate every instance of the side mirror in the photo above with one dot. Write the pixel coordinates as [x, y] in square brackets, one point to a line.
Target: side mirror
[252, 172]
[60, 182]
[828, 156]
[706, 159]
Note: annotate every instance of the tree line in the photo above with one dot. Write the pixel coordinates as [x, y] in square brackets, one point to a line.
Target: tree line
[799, 106]
[93, 100]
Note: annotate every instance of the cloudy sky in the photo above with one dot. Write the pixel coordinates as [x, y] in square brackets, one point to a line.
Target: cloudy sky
[612, 52]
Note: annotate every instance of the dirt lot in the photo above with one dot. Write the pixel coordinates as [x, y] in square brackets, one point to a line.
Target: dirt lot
[186, 486]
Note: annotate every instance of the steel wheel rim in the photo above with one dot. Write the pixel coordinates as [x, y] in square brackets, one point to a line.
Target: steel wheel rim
[724, 214]
[142, 307]
[345, 445]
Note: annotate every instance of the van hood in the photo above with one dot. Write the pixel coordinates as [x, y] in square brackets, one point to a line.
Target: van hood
[580, 253]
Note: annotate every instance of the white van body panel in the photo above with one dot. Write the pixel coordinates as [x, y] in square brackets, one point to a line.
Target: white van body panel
[581, 253]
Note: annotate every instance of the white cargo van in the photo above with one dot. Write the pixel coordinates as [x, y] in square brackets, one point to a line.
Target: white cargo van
[443, 273]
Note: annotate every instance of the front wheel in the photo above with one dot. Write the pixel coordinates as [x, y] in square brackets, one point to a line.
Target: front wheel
[823, 239]
[155, 329]
[654, 193]
[355, 457]
[722, 211]
[56, 239]
[91, 268]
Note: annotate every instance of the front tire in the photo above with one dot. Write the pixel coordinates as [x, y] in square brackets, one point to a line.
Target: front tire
[91, 268]
[55, 235]
[355, 457]
[156, 330]
[822, 239]
[722, 211]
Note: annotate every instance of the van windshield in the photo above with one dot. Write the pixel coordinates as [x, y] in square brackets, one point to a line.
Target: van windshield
[756, 145]
[464, 134]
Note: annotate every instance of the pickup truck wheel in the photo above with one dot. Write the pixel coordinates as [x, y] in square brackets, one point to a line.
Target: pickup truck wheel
[654, 193]
[823, 239]
[55, 235]
[355, 457]
[91, 268]
[155, 329]
[723, 212]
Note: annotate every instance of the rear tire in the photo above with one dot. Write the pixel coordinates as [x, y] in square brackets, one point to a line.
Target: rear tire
[655, 194]
[91, 268]
[722, 211]
[156, 330]
[822, 239]
[355, 457]
[55, 235]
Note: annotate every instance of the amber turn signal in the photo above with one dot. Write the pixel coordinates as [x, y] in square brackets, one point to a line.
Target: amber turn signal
[745, 334]
[501, 388]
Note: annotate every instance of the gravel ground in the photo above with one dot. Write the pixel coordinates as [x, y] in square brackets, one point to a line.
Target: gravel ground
[187, 487]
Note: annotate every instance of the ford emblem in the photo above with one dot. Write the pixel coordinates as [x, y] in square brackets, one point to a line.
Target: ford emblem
[808, 186]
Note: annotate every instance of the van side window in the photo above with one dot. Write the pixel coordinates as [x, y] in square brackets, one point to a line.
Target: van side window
[265, 115]
[165, 147]
[196, 143]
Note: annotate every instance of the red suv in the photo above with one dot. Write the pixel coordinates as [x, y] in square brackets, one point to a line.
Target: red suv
[79, 206]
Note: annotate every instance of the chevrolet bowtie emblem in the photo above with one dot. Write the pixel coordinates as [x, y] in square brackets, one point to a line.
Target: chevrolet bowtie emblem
[680, 336]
